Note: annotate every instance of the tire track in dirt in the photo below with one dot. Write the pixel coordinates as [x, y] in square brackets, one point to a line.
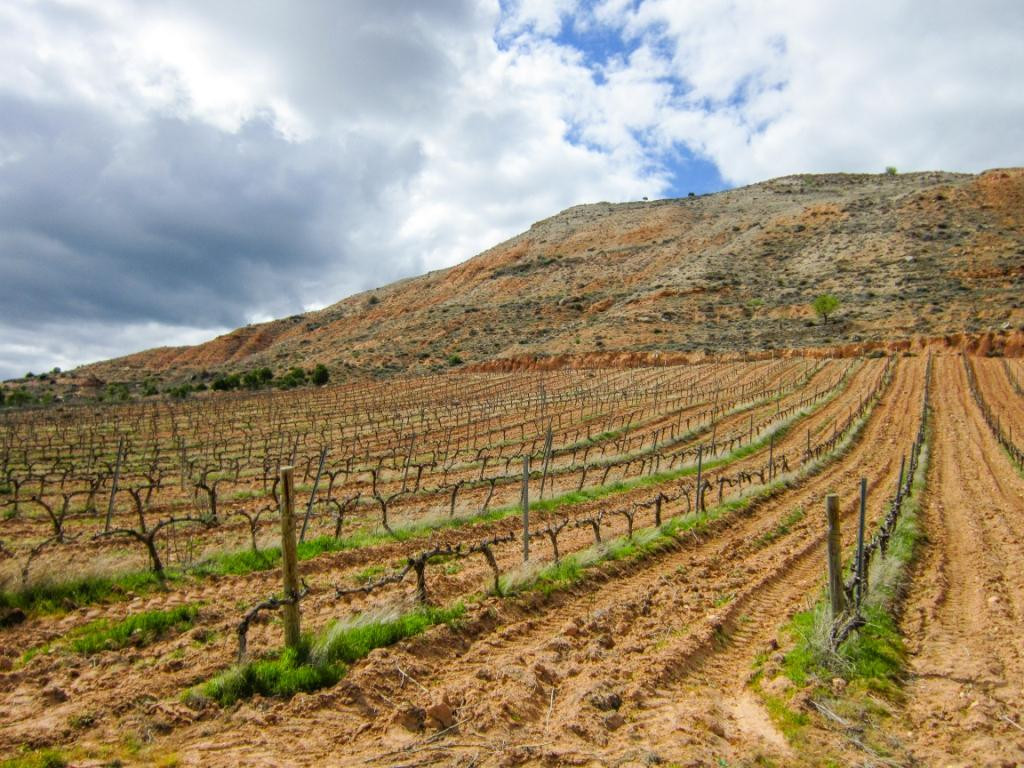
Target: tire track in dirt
[963, 615]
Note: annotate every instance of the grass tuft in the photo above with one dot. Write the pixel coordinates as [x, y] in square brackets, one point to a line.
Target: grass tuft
[55, 597]
[36, 758]
[322, 661]
[138, 629]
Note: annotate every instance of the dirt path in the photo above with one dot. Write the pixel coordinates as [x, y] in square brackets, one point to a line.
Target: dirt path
[963, 619]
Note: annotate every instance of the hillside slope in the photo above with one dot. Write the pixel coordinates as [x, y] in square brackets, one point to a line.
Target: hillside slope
[921, 254]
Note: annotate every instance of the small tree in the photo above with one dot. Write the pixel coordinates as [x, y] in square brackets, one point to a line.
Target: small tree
[890, 170]
[824, 305]
[321, 375]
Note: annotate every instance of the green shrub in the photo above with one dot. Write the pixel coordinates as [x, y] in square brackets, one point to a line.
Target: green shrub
[320, 375]
[227, 383]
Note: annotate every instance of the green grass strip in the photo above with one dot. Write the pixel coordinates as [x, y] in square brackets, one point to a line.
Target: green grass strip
[54, 597]
[138, 629]
[36, 758]
[321, 661]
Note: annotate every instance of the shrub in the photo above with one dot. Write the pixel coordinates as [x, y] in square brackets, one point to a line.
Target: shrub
[320, 375]
[296, 377]
[454, 360]
[20, 396]
[890, 170]
[181, 391]
[116, 392]
[226, 383]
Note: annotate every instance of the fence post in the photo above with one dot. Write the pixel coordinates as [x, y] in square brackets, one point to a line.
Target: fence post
[526, 508]
[835, 568]
[700, 470]
[771, 457]
[312, 495]
[547, 459]
[860, 581]
[899, 485]
[289, 560]
[113, 484]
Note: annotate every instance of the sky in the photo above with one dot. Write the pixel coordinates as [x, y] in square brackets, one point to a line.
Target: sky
[172, 170]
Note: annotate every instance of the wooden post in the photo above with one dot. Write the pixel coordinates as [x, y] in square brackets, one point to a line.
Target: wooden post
[771, 456]
[113, 484]
[700, 475]
[547, 460]
[808, 442]
[860, 541]
[835, 570]
[289, 560]
[750, 439]
[312, 495]
[899, 485]
[526, 508]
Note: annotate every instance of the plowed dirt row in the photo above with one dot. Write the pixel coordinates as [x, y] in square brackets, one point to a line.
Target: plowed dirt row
[963, 619]
[998, 392]
[597, 648]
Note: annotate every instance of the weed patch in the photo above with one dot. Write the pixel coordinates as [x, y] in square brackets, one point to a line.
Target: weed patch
[322, 661]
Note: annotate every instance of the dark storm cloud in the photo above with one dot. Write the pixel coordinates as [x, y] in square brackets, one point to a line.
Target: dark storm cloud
[173, 220]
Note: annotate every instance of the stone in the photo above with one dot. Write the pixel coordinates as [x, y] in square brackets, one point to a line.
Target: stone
[440, 714]
[604, 699]
[54, 695]
[614, 721]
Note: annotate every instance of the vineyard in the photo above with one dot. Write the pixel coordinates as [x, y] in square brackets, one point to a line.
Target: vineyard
[559, 567]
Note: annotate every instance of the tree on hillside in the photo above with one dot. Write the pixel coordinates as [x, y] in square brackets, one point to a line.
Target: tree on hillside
[824, 305]
[321, 375]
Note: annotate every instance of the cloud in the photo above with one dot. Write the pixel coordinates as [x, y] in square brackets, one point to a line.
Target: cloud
[172, 169]
[772, 88]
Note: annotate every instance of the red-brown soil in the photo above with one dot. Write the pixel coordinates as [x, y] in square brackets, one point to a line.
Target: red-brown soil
[964, 614]
[643, 662]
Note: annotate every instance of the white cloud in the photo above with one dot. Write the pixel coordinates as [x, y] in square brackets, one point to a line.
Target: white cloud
[329, 147]
[773, 87]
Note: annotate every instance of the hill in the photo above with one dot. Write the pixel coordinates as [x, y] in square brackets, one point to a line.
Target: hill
[909, 255]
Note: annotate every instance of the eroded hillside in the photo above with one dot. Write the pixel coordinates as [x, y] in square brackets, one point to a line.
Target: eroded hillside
[910, 255]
